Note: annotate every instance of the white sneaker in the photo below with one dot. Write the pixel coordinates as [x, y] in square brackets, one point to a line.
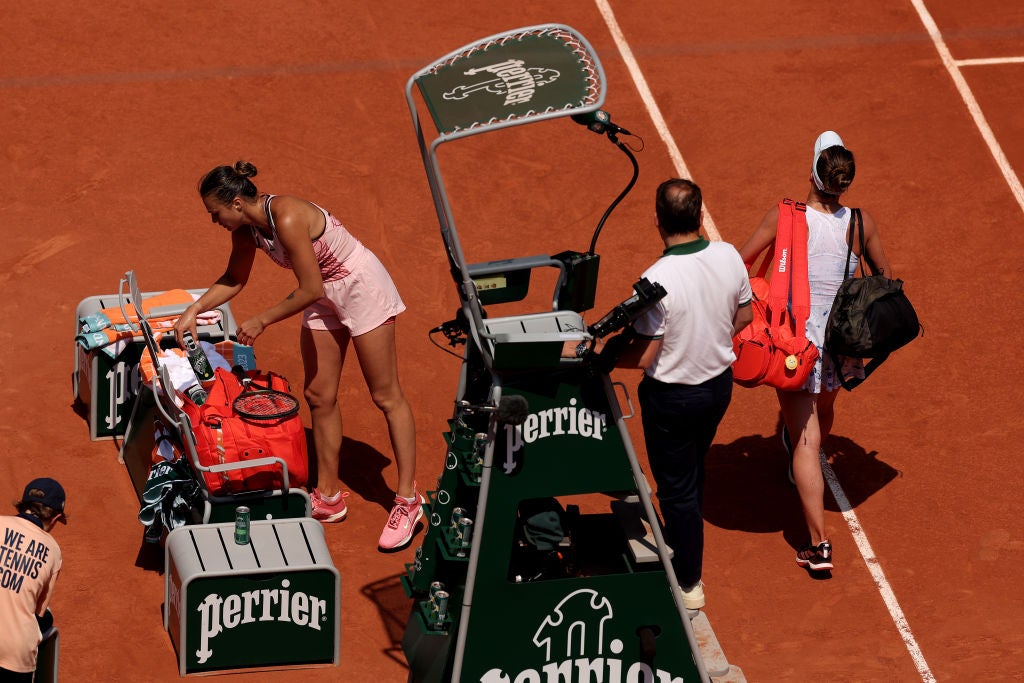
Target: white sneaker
[693, 598]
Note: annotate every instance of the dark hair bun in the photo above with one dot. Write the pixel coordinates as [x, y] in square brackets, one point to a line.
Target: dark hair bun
[245, 169]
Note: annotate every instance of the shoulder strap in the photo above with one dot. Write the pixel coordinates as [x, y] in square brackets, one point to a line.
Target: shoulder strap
[778, 287]
[789, 289]
[800, 288]
[856, 224]
[270, 216]
[769, 257]
[261, 241]
[868, 267]
[273, 226]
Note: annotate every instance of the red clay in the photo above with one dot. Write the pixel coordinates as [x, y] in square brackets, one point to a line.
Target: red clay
[105, 138]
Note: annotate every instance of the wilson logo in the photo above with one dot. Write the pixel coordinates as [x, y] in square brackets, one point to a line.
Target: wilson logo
[266, 604]
[782, 260]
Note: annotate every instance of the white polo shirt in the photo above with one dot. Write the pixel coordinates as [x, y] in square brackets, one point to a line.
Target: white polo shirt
[706, 282]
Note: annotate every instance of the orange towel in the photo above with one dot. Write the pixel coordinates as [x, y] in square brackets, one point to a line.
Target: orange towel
[171, 297]
[120, 329]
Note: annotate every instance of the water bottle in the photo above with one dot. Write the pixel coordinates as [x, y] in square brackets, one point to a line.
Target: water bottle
[197, 394]
[198, 360]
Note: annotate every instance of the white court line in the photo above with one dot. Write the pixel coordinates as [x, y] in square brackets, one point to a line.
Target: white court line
[972, 105]
[989, 60]
[652, 107]
[874, 566]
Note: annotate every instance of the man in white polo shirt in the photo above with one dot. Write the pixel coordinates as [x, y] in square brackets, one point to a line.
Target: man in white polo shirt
[684, 344]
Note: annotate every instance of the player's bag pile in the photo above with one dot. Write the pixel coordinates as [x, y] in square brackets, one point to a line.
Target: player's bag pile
[223, 436]
[774, 349]
[871, 316]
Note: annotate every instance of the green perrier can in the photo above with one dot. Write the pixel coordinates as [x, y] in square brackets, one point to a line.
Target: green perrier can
[241, 525]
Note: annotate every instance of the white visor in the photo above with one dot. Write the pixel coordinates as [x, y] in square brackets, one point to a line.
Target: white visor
[827, 139]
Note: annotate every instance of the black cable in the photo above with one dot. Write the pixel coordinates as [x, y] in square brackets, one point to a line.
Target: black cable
[632, 181]
[430, 336]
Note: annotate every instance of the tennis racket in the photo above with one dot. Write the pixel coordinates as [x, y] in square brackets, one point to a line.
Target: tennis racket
[264, 403]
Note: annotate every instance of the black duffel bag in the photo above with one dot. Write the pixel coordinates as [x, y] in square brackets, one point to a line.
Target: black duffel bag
[871, 316]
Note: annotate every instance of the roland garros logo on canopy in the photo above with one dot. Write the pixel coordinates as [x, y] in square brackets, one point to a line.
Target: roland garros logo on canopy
[510, 78]
[576, 647]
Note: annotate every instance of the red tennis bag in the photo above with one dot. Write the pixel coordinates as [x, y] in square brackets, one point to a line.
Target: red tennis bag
[222, 436]
[774, 348]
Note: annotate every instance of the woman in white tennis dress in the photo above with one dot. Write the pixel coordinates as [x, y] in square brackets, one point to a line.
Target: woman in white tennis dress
[808, 413]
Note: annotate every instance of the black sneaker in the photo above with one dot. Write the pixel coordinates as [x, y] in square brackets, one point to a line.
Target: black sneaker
[788, 445]
[815, 557]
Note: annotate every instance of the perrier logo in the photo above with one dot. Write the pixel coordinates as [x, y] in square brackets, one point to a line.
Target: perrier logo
[220, 613]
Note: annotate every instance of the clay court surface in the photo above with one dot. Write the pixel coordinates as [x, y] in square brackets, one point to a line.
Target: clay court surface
[111, 112]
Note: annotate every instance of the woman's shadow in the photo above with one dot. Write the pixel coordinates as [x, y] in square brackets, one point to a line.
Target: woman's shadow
[747, 486]
[361, 469]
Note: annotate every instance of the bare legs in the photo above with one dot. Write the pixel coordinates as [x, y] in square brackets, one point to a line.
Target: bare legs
[324, 355]
[379, 362]
[809, 420]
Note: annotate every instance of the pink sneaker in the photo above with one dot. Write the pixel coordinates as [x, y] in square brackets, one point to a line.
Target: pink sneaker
[401, 523]
[327, 511]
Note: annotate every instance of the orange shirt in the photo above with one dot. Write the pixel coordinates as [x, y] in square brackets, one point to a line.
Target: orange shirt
[30, 561]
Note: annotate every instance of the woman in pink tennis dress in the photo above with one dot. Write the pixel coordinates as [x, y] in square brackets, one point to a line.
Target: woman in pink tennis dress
[344, 294]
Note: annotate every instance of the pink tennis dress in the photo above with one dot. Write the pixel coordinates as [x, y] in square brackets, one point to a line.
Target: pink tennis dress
[359, 293]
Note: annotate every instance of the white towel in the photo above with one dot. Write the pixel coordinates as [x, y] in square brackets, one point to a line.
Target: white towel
[180, 371]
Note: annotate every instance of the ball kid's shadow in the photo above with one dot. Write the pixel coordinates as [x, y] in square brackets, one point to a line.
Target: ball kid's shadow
[361, 470]
[748, 489]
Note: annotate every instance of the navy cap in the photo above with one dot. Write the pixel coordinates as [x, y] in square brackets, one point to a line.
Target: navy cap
[47, 491]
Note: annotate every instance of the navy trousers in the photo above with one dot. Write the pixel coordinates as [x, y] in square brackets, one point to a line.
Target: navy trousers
[679, 424]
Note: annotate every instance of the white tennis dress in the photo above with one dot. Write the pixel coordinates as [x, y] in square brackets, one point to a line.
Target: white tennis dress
[826, 265]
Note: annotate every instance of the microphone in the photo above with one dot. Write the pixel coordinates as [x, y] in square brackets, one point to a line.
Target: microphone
[512, 409]
[600, 122]
[452, 327]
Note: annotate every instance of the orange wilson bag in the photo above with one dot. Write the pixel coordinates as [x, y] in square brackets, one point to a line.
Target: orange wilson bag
[224, 436]
[774, 349]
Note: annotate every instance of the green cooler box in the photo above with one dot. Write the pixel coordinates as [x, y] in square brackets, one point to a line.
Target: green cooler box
[272, 603]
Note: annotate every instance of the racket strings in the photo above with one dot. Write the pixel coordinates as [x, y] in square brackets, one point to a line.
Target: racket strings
[266, 404]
